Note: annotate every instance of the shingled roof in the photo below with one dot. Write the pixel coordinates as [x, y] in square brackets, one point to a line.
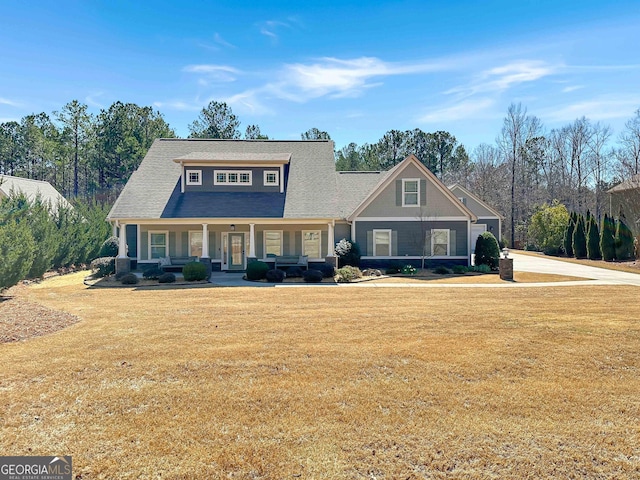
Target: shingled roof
[311, 187]
[32, 189]
[632, 183]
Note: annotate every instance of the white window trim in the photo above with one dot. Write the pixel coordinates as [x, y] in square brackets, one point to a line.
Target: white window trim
[189, 172]
[166, 236]
[404, 192]
[271, 184]
[319, 232]
[433, 237]
[237, 172]
[264, 242]
[191, 232]
[386, 230]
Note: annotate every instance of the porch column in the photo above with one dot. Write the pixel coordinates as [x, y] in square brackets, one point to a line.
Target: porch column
[205, 241]
[122, 245]
[114, 229]
[252, 240]
[331, 242]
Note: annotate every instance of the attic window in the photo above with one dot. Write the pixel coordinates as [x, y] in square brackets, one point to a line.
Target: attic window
[410, 192]
[232, 177]
[463, 200]
[271, 178]
[194, 177]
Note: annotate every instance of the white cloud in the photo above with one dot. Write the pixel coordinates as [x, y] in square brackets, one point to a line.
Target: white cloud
[572, 88]
[603, 108]
[92, 99]
[178, 105]
[459, 111]
[213, 73]
[11, 103]
[221, 41]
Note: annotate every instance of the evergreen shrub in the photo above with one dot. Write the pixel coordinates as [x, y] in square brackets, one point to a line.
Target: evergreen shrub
[194, 272]
[347, 274]
[129, 279]
[593, 240]
[312, 276]
[153, 273]
[459, 269]
[328, 270]
[167, 277]
[103, 266]
[579, 239]
[487, 251]
[294, 272]
[257, 270]
[607, 239]
[442, 270]
[624, 240]
[275, 275]
[109, 247]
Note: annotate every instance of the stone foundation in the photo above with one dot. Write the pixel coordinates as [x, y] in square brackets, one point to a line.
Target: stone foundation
[123, 265]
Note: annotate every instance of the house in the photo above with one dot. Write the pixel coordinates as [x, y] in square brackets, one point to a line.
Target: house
[231, 201]
[489, 220]
[625, 198]
[32, 189]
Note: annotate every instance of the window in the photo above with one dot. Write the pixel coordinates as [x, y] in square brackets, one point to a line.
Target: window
[158, 244]
[311, 243]
[195, 244]
[232, 177]
[194, 177]
[271, 178]
[440, 243]
[382, 243]
[410, 192]
[272, 243]
[463, 200]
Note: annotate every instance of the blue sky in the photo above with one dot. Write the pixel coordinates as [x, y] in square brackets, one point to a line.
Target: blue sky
[354, 69]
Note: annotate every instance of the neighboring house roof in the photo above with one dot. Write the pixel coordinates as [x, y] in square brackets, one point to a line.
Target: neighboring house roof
[456, 187]
[311, 186]
[32, 189]
[354, 187]
[632, 183]
[392, 174]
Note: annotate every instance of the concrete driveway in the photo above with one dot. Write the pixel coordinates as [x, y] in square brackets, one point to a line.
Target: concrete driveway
[543, 264]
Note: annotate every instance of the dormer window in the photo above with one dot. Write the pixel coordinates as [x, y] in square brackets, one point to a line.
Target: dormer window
[232, 177]
[194, 177]
[271, 178]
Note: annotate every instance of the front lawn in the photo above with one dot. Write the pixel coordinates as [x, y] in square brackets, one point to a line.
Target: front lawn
[329, 383]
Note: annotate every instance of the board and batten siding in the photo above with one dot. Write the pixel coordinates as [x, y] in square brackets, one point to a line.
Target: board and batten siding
[407, 236]
[433, 202]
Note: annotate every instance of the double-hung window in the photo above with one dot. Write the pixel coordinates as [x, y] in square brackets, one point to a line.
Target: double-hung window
[272, 243]
[311, 243]
[382, 243]
[410, 192]
[195, 244]
[440, 242]
[158, 244]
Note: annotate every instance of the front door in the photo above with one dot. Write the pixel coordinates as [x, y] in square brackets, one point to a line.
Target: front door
[236, 251]
[476, 231]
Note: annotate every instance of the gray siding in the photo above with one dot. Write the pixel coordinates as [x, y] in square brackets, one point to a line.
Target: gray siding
[493, 226]
[132, 241]
[409, 235]
[257, 184]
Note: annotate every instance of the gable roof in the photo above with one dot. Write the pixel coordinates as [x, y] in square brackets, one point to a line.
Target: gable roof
[355, 187]
[457, 186]
[392, 174]
[632, 183]
[32, 189]
[311, 186]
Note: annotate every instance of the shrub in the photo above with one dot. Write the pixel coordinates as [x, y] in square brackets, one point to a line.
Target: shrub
[257, 270]
[348, 253]
[409, 270]
[579, 239]
[487, 250]
[459, 269]
[327, 269]
[153, 273]
[17, 249]
[347, 274]
[167, 277]
[442, 270]
[593, 240]
[275, 276]
[481, 269]
[129, 279]
[624, 240]
[607, 239]
[568, 235]
[194, 271]
[109, 247]
[103, 266]
[548, 225]
[394, 267]
[119, 275]
[551, 251]
[294, 272]
[312, 276]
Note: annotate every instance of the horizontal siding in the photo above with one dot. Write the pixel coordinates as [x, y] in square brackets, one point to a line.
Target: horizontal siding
[256, 186]
[493, 226]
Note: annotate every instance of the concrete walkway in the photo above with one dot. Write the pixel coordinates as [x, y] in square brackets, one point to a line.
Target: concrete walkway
[521, 263]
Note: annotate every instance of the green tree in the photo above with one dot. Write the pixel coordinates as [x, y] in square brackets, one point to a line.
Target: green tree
[623, 240]
[548, 225]
[580, 239]
[17, 250]
[315, 134]
[568, 235]
[607, 239]
[253, 133]
[78, 126]
[216, 120]
[487, 250]
[348, 158]
[593, 239]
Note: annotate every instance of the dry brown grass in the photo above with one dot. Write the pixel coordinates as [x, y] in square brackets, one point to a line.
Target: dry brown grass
[632, 266]
[328, 383]
[518, 277]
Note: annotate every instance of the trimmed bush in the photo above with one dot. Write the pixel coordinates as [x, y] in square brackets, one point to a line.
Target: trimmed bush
[109, 247]
[153, 273]
[275, 276]
[442, 270]
[119, 275]
[194, 272]
[568, 235]
[327, 269]
[103, 266]
[459, 269]
[481, 269]
[624, 240]
[312, 276]
[347, 274]
[487, 251]
[551, 251]
[167, 277]
[257, 270]
[607, 239]
[580, 239]
[294, 272]
[593, 240]
[129, 279]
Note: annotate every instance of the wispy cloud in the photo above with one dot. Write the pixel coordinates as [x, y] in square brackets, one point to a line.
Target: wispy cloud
[92, 99]
[458, 111]
[221, 41]
[272, 28]
[178, 105]
[601, 108]
[572, 88]
[214, 73]
[11, 103]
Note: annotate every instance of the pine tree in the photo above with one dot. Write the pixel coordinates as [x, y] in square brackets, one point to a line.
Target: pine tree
[593, 240]
[623, 240]
[607, 240]
[579, 239]
[568, 235]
